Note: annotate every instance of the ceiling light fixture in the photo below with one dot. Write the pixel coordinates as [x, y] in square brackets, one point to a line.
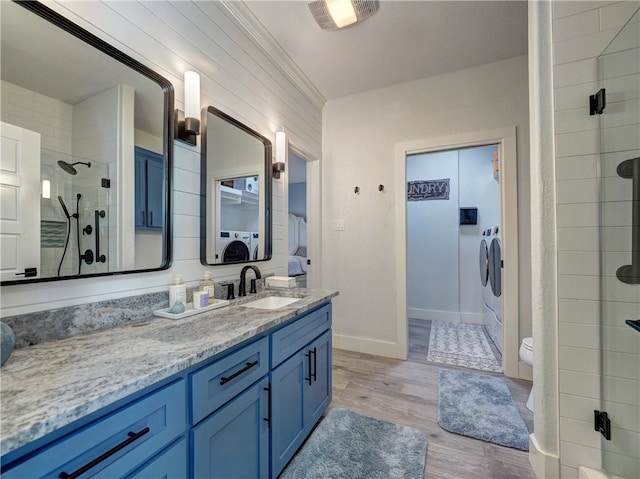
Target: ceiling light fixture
[335, 14]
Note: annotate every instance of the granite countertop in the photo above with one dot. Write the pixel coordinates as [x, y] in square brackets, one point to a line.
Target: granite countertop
[52, 384]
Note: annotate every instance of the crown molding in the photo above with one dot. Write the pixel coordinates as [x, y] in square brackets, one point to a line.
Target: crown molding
[265, 41]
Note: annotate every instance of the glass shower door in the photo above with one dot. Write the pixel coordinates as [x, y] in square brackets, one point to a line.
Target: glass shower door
[619, 281]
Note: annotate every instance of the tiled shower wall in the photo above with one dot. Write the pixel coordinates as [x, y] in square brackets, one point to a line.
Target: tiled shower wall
[581, 31]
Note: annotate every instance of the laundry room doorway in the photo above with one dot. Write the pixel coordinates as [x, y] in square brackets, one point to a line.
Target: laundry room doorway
[302, 227]
[454, 190]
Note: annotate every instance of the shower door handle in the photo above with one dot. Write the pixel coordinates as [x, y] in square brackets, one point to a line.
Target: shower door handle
[630, 273]
[100, 258]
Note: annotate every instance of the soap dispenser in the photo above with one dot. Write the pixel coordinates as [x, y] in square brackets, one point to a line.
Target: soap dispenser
[177, 292]
[208, 286]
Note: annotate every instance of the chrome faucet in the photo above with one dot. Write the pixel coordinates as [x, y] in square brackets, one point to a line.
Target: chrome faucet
[242, 288]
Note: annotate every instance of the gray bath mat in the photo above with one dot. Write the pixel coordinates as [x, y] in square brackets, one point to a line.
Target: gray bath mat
[348, 445]
[480, 406]
[460, 344]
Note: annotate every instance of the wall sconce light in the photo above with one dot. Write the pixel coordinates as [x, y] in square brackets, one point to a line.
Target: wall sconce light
[282, 151]
[187, 122]
[46, 189]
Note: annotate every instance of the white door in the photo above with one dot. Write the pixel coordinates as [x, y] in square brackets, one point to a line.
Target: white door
[19, 202]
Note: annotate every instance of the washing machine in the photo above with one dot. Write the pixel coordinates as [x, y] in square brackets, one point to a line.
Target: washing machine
[253, 248]
[233, 246]
[483, 260]
[495, 283]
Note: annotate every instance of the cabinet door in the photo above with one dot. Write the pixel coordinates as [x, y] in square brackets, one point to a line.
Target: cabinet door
[317, 395]
[287, 414]
[234, 441]
[140, 196]
[155, 193]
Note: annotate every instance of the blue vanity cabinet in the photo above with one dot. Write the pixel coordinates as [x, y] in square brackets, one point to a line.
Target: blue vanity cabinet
[300, 385]
[234, 441]
[231, 413]
[149, 183]
[116, 444]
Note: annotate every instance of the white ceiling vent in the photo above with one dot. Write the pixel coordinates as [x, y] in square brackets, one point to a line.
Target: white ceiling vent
[335, 14]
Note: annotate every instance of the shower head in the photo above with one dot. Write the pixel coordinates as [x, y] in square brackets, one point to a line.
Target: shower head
[69, 168]
[64, 207]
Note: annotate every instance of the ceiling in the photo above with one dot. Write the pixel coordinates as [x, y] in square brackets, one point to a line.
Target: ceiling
[403, 41]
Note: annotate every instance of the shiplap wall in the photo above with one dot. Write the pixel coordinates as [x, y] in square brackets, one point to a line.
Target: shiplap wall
[581, 31]
[238, 77]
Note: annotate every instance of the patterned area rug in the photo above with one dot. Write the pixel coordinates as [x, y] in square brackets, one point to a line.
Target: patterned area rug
[461, 344]
[348, 445]
[480, 406]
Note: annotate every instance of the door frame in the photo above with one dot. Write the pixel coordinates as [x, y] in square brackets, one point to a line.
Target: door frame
[314, 252]
[505, 138]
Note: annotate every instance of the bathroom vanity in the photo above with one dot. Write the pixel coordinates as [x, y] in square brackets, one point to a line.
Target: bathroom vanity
[227, 393]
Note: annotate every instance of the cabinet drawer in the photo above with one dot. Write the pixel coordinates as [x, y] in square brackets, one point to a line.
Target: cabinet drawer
[170, 464]
[219, 382]
[123, 440]
[286, 341]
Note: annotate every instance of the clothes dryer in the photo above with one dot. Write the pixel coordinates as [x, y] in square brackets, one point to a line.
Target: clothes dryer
[233, 246]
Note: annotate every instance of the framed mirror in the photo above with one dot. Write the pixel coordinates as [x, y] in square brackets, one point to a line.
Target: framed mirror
[86, 153]
[235, 192]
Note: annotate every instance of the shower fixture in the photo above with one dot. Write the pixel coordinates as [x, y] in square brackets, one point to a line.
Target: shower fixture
[69, 167]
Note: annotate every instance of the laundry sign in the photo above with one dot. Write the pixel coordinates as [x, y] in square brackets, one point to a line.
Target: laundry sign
[421, 190]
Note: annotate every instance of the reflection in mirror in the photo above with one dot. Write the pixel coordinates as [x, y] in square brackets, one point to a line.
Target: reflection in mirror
[85, 137]
[236, 192]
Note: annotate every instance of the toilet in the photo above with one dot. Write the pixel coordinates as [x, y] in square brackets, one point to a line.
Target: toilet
[526, 354]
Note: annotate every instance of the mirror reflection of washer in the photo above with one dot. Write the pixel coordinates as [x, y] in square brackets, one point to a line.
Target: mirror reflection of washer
[233, 246]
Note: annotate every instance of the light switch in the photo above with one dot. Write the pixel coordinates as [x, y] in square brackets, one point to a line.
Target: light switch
[340, 225]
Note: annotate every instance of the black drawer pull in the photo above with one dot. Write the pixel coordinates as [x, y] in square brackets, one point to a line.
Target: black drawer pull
[133, 436]
[248, 366]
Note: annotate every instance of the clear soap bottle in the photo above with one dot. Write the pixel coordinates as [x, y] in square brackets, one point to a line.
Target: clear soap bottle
[177, 292]
[208, 286]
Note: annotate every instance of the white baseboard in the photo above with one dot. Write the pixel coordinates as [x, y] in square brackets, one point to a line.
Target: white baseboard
[544, 465]
[589, 473]
[433, 315]
[368, 346]
[445, 316]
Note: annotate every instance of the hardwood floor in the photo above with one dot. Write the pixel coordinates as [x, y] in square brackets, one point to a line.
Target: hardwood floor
[406, 392]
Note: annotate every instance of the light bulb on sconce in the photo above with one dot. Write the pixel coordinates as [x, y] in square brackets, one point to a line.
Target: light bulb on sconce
[282, 152]
[187, 122]
[46, 189]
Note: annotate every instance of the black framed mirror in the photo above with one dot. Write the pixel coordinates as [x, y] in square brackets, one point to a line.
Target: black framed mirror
[86, 153]
[235, 225]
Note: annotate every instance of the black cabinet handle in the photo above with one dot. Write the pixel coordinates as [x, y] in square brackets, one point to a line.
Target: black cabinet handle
[315, 364]
[268, 418]
[308, 356]
[144, 217]
[150, 218]
[248, 366]
[133, 436]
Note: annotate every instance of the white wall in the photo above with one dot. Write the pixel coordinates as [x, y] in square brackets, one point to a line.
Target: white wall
[236, 77]
[565, 194]
[360, 134]
[433, 285]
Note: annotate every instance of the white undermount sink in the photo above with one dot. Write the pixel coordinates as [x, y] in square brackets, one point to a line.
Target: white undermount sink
[271, 302]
